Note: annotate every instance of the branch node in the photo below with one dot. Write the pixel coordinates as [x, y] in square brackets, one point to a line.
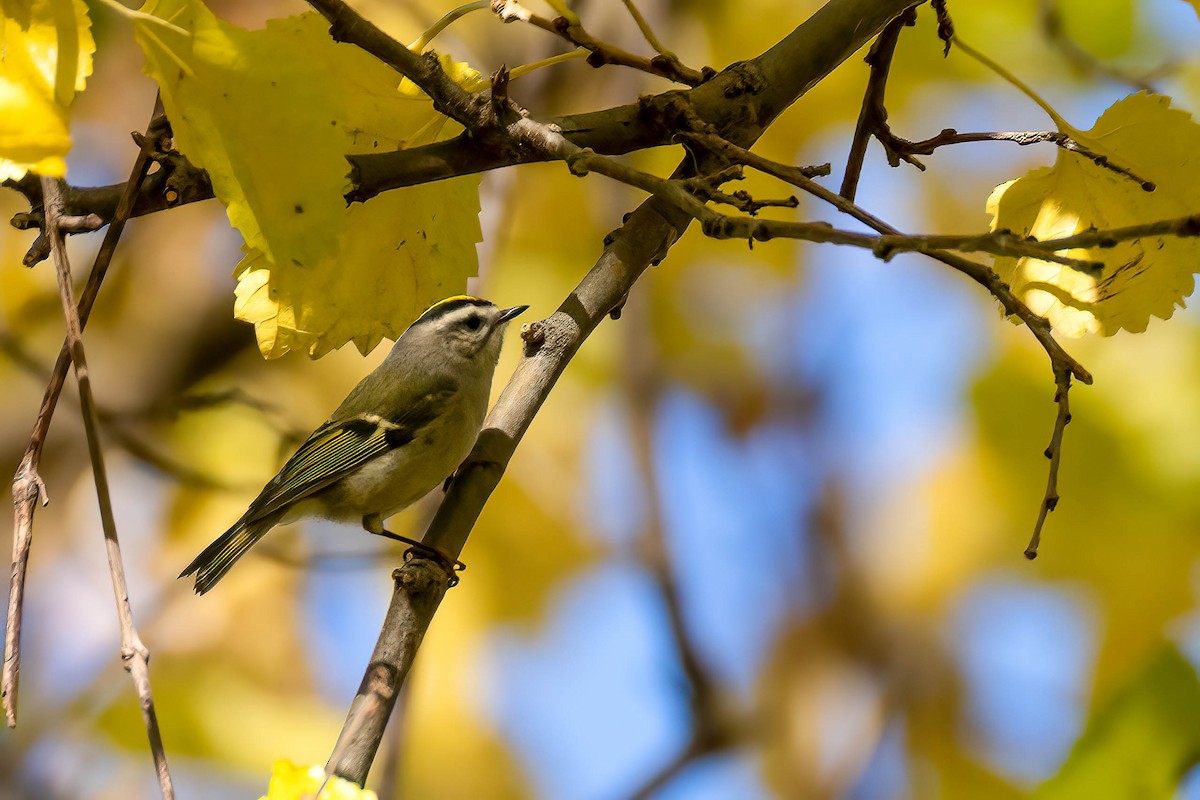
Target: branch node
[577, 161]
[27, 220]
[945, 25]
[38, 252]
[533, 334]
[1062, 381]
[80, 224]
[615, 312]
[499, 96]
[421, 576]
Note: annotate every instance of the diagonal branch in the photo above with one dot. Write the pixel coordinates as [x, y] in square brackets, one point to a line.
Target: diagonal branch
[872, 117]
[765, 86]
[1062, 382]
[550, 345]
[133, 652]
[28, 486]
[742, 101]
[424, 70]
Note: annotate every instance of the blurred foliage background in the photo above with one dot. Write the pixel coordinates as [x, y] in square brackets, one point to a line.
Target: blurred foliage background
[768, 529]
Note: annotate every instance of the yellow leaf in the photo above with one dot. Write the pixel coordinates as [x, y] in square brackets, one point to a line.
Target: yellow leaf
[292, 782]
[271, 115]
[1140, 278]
[46, 51]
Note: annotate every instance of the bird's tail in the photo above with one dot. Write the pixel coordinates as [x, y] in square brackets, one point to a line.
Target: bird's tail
[216, 559]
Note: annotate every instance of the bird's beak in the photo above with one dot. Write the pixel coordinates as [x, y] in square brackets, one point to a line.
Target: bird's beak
[509, 313]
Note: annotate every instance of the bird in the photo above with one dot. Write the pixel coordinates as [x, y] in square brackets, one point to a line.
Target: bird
[404, 429]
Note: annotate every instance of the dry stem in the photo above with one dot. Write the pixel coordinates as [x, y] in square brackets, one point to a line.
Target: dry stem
[28, 486]
[1062, 381]
[133, 652]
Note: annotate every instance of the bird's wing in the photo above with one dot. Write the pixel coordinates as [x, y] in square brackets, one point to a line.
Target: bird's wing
[338, 448]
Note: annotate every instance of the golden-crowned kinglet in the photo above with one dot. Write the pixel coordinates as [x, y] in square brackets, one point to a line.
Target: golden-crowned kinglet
[401, 431]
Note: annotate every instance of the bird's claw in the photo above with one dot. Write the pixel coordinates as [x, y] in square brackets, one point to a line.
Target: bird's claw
[451, 566]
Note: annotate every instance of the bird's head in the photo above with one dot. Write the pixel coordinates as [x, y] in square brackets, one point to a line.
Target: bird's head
[467, 327]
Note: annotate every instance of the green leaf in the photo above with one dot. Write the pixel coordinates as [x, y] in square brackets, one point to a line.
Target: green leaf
[1141, 742]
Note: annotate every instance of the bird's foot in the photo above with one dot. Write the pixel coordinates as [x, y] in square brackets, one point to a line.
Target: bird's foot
[452, 566]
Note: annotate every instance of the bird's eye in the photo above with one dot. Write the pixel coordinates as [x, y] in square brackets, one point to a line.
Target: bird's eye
[473, 322]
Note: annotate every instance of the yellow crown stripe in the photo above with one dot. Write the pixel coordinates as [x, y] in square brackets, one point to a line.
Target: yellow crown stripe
[453, 299]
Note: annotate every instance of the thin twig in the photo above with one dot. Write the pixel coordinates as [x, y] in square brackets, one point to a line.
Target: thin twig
[980, 273]
[176, 182]
[425, 70]
[664, 65]
[1065, 367]
[1062, 382]
[1180, 226]
[872, 116]
[449, 18]
[725, 226]
[899, 148]
[945, 25]
[1001, 243]
[133, 652]
[28, 487]
[647, 31]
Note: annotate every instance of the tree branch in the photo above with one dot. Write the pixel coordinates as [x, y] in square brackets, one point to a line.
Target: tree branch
[765, 86]
[980, 273]
[742, 100]
[1062, 382]
[664, 65]
[873, 115]
[28, 487]
[176, 182]
[899, 148]
[133, 652]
